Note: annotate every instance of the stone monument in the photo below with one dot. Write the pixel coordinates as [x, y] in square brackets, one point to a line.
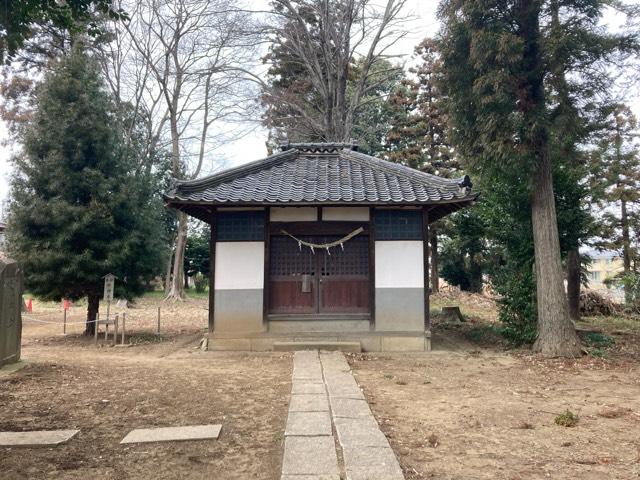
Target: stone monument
[10, 311]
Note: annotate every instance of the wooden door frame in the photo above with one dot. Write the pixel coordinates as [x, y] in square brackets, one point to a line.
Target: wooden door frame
[317, 227]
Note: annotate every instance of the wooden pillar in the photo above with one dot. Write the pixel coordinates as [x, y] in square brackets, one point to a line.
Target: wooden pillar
[265, 281]
[426, 269]
[212, 271]
[372, 269]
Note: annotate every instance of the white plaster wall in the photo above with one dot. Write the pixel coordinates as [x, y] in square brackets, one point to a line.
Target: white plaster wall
[239, 265]
[293, 214]
[399, 264]
[346, 214]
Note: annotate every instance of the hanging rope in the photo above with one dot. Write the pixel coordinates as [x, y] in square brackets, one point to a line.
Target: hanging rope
[326, 246]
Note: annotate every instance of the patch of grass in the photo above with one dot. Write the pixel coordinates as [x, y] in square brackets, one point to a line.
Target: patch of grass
[433, 440]
[615, 322]
[190, 293]
[600, 340]
[484, 334]
[567, 419]
[388, 376]
[140, 338]
[401, 382]
[599, 353]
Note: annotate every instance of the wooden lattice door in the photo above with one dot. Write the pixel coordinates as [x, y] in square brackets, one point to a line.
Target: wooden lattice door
[305, 282]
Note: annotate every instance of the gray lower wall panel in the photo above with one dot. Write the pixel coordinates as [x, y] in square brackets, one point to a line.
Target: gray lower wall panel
[399, 309]
[238, 311]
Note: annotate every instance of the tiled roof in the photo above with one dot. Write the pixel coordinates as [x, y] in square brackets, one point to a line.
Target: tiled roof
[305, 174]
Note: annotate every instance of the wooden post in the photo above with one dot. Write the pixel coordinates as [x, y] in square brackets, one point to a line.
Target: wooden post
[96, 322]
[426, 269]
[212, 271]
[115, 331]
[158, 330]
[267, 259]
[372, 269]
[124, 319]
[64, 322]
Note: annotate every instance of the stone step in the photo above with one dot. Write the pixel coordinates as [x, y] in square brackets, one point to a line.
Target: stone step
[353, 347]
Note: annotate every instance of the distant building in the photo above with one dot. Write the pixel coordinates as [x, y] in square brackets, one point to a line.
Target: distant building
[605, 264]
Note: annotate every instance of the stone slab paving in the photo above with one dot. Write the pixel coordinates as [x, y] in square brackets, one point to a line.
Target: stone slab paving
[366, 451]
[308, 424]
[309, 403]
[349, 408]
[325, 394]
[38, 438]
[310, 477]
[169, 434]
[371, 463]
[310, 456]
[301, 388]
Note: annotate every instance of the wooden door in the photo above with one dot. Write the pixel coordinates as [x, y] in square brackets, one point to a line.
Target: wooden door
[302, 281]
[292, 277]
[344, 277]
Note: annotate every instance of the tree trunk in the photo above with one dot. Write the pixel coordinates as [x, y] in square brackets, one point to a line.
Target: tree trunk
[167, 278]
[435, 276]
[556, 333]
[176, 292]
[626, 246]
[93, 304]
[186, 282]
[573, 283]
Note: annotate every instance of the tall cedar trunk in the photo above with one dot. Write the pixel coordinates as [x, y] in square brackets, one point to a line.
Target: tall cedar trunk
[626, 245]
[93, 304]
[573, 283]
[435, 277]
[556, 332]
[176, 292]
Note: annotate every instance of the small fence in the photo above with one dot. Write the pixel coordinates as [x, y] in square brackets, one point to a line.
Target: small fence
[126, 323]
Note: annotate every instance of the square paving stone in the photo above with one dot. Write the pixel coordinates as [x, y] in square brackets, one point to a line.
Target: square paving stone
[308, 424]
[344, 390]
[371, 463]
[350, 407]
[359, 432]
[309, 403]
[169, 434]
[310, 477]
[37, 438]
[310, 456]
[302, 387]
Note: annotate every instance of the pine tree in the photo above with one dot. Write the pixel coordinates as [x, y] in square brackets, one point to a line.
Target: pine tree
[81, 207]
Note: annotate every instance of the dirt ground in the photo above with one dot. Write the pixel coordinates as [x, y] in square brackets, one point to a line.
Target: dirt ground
[471, 409]
[105, 392]
[468, 410]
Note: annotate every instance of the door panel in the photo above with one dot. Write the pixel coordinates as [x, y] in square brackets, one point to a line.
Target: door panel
[306, 282]
[344, 277]
[292, 276]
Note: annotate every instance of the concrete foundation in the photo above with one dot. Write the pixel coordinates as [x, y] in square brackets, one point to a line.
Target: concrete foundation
[369, 341]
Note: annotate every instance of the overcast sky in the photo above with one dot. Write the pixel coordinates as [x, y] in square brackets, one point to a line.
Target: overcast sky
[252, 146]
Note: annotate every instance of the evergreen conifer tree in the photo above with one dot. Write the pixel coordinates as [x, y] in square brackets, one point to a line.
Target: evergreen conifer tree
[81, 207]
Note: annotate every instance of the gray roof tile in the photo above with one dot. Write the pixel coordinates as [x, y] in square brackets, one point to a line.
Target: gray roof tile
[321, 173]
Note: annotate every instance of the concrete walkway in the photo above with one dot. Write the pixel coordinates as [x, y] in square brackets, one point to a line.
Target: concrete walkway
[326, 402]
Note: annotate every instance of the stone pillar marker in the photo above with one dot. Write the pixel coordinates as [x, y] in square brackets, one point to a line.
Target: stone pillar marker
[10, 311]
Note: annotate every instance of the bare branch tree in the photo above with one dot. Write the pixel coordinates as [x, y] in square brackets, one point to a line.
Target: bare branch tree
[321, 41]
[179, 64]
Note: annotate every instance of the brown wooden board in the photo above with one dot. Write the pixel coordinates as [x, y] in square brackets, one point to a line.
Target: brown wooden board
[303, 281]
